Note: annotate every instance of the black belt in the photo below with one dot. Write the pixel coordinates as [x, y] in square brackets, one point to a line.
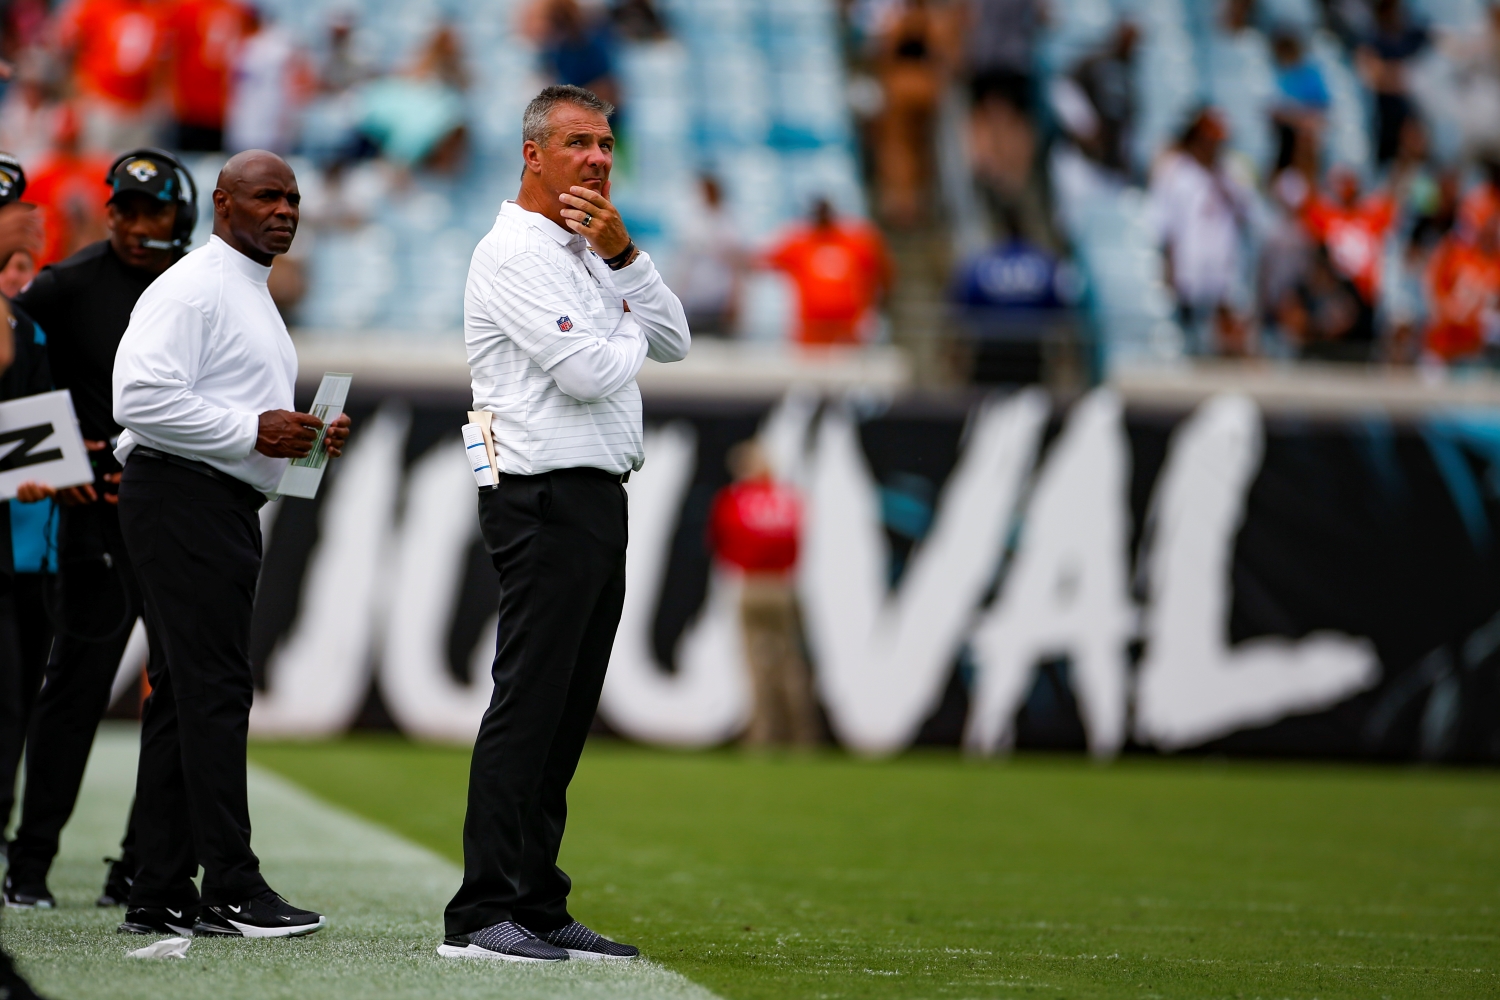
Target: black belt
[615, 477]
[202, 468]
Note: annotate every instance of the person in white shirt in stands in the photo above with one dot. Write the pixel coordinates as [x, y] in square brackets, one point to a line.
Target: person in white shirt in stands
[560, 312]
[203, 386]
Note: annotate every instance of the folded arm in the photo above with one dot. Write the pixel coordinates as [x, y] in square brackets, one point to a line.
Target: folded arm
[156, 367]
[604, 367]
[656, 308]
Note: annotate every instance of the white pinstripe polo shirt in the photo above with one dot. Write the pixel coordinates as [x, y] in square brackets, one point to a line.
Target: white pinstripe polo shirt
[537, 295]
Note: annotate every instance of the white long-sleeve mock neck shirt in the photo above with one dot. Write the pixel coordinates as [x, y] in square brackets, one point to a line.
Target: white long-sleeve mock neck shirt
[553, 350]
[205, 354]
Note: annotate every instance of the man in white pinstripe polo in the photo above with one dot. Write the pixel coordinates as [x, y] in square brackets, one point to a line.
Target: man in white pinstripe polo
[560, 312]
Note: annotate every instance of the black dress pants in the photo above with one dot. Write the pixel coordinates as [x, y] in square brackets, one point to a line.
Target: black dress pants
[98, 604]
[196, 544]
[558, 543]
[25, 641]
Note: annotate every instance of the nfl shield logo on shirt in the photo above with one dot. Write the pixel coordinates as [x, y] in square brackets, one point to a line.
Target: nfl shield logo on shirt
[564, 324]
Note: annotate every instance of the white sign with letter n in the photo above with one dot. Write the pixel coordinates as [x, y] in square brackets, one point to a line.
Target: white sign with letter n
[40, 442]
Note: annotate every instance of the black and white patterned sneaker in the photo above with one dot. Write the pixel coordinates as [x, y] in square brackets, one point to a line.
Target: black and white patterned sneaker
[266, 915]
[116, 884]
[507, 941]
[20, 896]
[159, 920]
[580, 942]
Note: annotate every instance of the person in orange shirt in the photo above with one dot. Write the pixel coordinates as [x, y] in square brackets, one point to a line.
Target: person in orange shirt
[1353, 228]
[1464, 286]
[116, 48]
[202, 38]
[841, 270]
[68, 188]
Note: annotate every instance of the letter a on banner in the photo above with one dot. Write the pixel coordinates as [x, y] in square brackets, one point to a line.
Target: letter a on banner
[1066, 591]
[1192, 686]
[881, 661]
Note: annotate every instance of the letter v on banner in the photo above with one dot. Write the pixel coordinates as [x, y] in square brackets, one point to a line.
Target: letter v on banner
[881, 661]
[1066, 591]
[1192, 687]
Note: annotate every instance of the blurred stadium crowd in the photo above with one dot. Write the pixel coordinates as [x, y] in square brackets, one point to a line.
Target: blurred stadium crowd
[1140, 179]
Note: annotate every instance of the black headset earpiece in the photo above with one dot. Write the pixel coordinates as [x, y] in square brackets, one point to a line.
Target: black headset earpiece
[187, 196]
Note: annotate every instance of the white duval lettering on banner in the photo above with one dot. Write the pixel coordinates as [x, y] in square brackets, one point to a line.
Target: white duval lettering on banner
[432, 544]
[1192, 688]
[319, 673]
[707, 700]
[881, 661]
[1066, 590]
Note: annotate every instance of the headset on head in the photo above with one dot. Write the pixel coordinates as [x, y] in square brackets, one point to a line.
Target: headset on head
[187, 196]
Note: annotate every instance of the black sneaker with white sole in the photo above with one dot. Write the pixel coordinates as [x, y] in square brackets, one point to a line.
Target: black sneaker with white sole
[508, 942]
[21, 896]
[266, 915]
[116, 884]
[580, 942]
[160, 920]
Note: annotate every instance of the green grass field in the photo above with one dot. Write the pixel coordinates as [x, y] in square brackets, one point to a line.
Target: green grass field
[935, 877]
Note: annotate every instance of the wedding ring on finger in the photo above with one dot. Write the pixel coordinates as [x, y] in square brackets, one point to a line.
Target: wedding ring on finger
[587, 220]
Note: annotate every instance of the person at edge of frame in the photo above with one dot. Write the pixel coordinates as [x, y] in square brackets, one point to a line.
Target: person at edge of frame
[560, 312]
[84, 305]
[25, 631]
[20, 229]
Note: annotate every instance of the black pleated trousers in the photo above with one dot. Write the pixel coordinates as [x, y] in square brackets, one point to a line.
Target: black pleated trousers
[196, 544]
[558, 542]
[98, 602]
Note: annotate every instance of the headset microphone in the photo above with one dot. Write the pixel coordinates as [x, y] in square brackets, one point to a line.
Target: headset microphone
[159, 174]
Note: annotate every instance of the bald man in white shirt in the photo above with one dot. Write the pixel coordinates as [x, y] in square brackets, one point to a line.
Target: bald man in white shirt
[560, 312]
[203, 384]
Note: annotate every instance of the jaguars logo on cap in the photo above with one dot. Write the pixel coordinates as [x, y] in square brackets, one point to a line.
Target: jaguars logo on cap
[12, 179]
[141, 170]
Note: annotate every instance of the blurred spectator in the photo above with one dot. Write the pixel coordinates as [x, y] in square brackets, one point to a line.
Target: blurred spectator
[1302, 101]
[1476, 100]
[1403, 302]
[1202, 214]
[1000, 48]
[343, 66]
[1324, 316]
[1354, 228]
[418, 119]
[1393, 41]
[1464, 284]
[23, 27]
[841, 270]
[1000, 38]
[1095, 103]
[1483, 202]
[270, 83]
[575, 47]
[709, 264]
[1286, 249]
[203, 39]
[29, 114]
[68, 188]
[16, 273]
[638, 20]
[910, 64]
[114, 47]
[753, 527]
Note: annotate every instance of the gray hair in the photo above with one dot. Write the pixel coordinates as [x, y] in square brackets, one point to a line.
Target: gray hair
[536, 122]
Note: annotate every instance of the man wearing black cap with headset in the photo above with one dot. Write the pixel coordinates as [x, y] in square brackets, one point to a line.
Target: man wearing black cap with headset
[84, 305]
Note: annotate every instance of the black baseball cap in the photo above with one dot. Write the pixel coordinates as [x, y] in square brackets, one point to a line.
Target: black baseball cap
[146, 174]
[12, 179]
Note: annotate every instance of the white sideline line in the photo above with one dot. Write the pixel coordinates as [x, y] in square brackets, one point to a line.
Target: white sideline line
[383, 896]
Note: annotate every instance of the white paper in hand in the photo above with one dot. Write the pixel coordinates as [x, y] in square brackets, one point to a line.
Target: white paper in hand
[172, 947]
[303, 475]
[40, 442]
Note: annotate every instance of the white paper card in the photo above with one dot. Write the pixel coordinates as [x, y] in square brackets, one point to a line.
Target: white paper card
[40, 442]
[479, 456]
[172, 947]
[303, 475]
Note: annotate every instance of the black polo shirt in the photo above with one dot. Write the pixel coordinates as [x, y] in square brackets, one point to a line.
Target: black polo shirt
[84, 303]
